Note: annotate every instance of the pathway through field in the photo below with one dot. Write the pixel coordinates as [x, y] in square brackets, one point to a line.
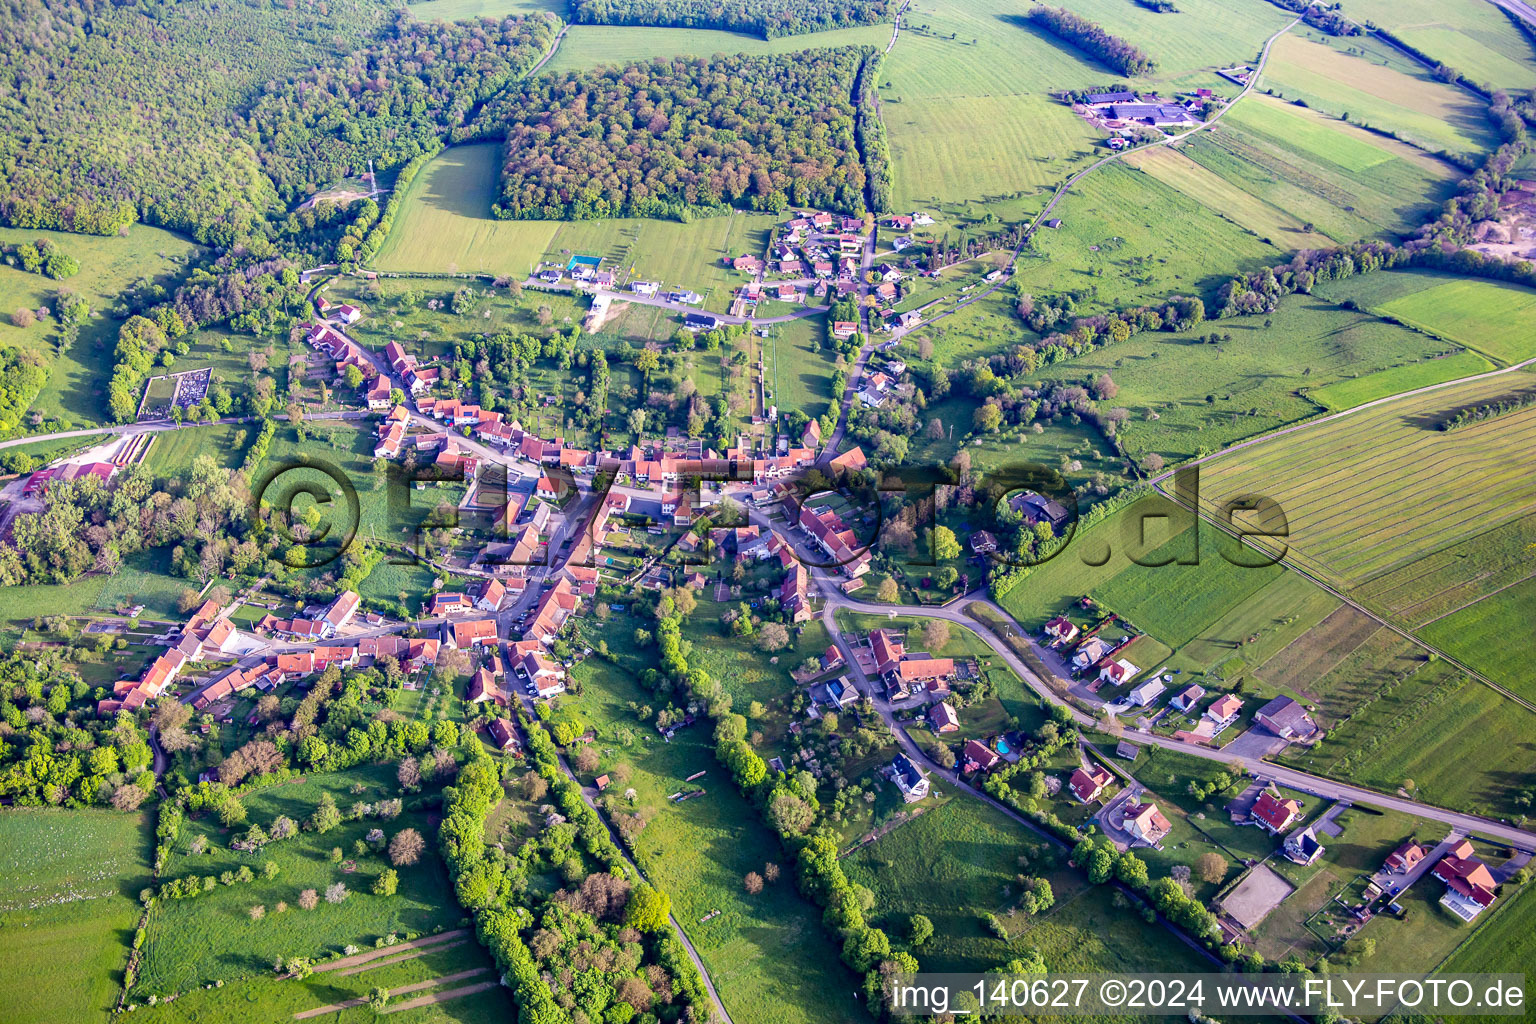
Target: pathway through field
[442, 997]
[399, 947]
[370, 965]
[320, 1011]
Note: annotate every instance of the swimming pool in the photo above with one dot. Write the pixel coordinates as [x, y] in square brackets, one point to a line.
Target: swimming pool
[583, 261]
[1002, 745]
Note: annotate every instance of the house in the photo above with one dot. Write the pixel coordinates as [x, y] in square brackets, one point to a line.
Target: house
[491, 596]
[700, 322]
[502, 734]
[1469, 885]
[348, 314]
[924, 669]
[1405, 858]
[1036, 508]
[1146, 823]
[1273, 813]
[1122, 671]
[645, 289]
[901, 222]
[976, 756]
[1223, 711]
[983, 543]
[1087, 783]
[474, 633]
[1061, 630]
[447, 603]
[840, 693]
[1302, 846]
[851, 460]
[545, 678]
[909, 778]
[1090, 652]
[482, 687]
[844, 329]
[942, 718]
[1186, 700]
[811, 436]
[1285, 718]
[340, 613]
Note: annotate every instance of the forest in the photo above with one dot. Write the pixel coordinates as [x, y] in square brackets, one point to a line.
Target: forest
[767, 18]
[390, 101]
[1109, 50]
[117, 113]
[667, 138]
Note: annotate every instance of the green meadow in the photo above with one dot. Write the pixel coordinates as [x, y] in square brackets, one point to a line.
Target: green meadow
[69, 894]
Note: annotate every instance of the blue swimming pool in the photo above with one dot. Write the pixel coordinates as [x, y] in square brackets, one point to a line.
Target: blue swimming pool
[583, 261]
[1002, 745]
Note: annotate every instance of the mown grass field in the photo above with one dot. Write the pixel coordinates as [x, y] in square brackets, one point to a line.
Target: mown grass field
[1347, 394]
[1478, 314]
[956, 67]
[1494, 637]
[1378, 86]
[1440, 584]
[1126, 237]
[1175, 602]
[978, 874]
[768, 954]
[1473, 37]
[75, 393]
[587, 46]
[1340, 484]
[211, 937]
[1284, 229]
[69, 895]
[798, 368]
[1348, 182]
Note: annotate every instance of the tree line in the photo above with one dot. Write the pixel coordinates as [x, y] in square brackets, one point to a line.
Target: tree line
[1091, 38]
[766, 18]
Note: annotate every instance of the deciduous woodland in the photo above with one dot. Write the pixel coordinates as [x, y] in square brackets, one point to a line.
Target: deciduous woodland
[1093, 40]
[767, 18]
[657, 138]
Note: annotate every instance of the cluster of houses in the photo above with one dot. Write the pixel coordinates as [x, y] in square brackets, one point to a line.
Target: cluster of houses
[339, 614]
[825, 528]
[877, 387]
[906, 674]
[344, 352]
[206, 634]
[1470, 887]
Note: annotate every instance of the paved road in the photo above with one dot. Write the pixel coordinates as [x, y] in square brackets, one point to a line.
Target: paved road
[680, 307]
[1520, 9]
[1290, 777]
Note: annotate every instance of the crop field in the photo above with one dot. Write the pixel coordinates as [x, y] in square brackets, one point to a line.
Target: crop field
[70, 884]
[767, 954]
[1494, 637]
[978, 874]
[1458, 742]
[213, 937]
[1347, 394]
[1505, 941]
[1128, 238]
[1205, 397]
[1455, 577]
[587, 46]
[1380, 87]
[1340, 484]
[1473, 37]
[74, 394]
[1349, 182]
[1244, 209]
